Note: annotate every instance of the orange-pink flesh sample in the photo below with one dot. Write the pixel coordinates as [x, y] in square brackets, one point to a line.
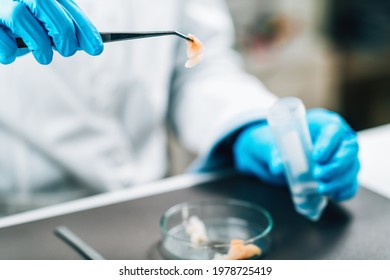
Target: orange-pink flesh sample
[240, 251]
[194, 51]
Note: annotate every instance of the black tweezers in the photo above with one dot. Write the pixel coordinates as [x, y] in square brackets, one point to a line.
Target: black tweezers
[115, 37]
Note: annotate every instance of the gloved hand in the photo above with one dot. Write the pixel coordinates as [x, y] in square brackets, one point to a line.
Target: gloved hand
[335, 154]
[34, 21]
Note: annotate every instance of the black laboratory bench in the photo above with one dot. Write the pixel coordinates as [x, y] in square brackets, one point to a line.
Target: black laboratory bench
[357, 229]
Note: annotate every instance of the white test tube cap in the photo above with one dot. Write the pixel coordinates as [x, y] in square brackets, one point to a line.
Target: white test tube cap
[286, 110]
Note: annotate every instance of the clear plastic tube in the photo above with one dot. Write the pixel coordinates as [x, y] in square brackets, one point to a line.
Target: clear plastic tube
[287, 119]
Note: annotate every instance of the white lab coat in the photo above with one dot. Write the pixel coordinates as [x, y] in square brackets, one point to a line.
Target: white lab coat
[101, 119]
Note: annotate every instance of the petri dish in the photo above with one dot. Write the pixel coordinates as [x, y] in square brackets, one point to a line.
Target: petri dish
[224, 220]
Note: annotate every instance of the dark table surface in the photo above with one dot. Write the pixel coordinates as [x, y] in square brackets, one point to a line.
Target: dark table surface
[358, 229]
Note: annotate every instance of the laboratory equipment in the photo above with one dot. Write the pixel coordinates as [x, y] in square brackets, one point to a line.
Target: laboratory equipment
[287, 119]
[224, 220]
[194, 50]
[115, 37]
[77, 243]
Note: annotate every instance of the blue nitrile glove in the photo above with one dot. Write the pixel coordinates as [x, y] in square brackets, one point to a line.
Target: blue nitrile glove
[34, 21]
[335, 154]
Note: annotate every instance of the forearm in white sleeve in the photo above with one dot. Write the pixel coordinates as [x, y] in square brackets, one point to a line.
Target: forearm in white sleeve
[215, 97]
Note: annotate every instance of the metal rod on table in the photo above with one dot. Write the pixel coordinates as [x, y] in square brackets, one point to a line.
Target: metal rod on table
[77, 243]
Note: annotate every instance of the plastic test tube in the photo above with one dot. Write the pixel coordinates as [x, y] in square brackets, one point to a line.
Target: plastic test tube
[287, 119]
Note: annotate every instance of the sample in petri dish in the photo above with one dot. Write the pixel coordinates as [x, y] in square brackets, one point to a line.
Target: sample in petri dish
[227, 229]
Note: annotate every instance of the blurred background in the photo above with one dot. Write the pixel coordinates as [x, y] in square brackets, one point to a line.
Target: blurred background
[332, 54]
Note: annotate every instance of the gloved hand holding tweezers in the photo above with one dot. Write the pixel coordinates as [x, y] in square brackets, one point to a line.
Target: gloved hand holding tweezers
[43, 24]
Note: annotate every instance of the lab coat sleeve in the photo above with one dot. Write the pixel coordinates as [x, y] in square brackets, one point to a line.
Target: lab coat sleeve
[211, 102]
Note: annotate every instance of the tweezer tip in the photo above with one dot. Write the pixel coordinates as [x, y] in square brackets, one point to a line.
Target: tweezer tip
[184, 36]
